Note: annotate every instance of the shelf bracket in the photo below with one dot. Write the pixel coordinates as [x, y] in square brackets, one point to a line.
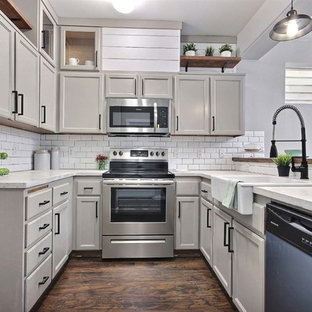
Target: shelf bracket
[186, 66]
[224, 66]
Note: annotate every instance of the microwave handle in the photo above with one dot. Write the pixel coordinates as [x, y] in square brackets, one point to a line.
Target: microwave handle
[155, 117]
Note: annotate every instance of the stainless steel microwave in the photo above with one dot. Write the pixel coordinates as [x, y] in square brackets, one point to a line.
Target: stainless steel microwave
[138, 117]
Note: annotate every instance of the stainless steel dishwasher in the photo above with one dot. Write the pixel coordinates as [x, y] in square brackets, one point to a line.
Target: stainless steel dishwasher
[288, 285]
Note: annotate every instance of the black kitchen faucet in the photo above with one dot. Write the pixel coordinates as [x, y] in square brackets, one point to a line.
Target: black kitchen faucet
[303, 168]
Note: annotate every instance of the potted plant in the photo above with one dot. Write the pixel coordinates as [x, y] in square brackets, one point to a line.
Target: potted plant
[189, 49]
[4, 171]
[101, 160]
[209, 51]
[226, 50]
[283, 161]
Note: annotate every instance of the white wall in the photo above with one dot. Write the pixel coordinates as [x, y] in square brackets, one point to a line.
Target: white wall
[265, 92]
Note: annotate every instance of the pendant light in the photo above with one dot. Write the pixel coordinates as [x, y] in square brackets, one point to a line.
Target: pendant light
[291, 27]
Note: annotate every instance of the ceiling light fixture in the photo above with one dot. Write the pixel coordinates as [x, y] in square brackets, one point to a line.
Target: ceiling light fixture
[124, 6]
[291, 27]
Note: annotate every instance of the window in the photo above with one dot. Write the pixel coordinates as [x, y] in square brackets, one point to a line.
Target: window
[298, 85]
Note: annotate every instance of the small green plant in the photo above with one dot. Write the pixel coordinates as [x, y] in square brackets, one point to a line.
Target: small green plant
[225, 47]
[189, 47]
[283, 160]
[4, 171]
[209, 51]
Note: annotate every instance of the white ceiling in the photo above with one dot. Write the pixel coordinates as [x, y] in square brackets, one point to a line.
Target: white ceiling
[199, 17]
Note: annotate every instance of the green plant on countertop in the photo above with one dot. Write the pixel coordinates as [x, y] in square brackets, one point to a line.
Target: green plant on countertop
[225, 47]
[4, 171]
[209, 51]
[283, 160]
[189, 47]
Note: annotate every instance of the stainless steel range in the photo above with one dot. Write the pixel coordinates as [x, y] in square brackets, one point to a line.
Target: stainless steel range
[138, 205]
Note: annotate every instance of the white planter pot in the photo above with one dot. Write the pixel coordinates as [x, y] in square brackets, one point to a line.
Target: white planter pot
[190, 53]
[226, 53]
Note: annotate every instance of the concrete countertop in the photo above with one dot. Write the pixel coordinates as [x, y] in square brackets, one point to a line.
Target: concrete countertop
[300, 197]
[31, 178]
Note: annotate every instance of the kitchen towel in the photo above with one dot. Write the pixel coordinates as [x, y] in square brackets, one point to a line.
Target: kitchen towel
[230, 200]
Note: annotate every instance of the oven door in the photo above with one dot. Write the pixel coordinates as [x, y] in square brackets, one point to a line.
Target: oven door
[138, 207]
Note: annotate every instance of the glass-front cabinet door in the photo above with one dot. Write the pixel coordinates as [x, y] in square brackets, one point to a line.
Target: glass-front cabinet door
[80, 48]
[47, 35]
[138, 205]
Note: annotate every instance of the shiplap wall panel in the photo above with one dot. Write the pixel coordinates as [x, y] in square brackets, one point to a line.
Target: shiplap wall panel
[140, 49]
[298, 85]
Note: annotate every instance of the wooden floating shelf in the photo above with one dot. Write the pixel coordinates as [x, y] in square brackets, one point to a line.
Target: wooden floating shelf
[209, 61]
[9, 8]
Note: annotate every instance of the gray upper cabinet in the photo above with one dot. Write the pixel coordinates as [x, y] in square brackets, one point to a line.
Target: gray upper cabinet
[81, 102]
[47, 34]
[153, 86]
[47, 96]
[7, 36]
[191, 105]
[83, 44]
[27, 82]
[121, 85]
[227, 105]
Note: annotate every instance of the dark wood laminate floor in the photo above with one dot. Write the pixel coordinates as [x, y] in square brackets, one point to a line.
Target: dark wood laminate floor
[180, 284]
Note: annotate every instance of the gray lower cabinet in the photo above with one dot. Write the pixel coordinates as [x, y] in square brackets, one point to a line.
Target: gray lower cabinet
[81, 102]
[192, 106]
[7, 39]
[205, 242]
[221, 257]
[26, 82]
[87, 222]
[248, 269]
[47, 96]
[187, 223]
[227, 105]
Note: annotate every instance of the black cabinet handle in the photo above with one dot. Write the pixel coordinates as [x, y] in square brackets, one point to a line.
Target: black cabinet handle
[96, 59]
[96, 210]
[44, 251]
[100, 121]
[135, 87]
[204, 191]
[213, 123]
[44, 280]
[177, 128]
[44, 203]
[15, 102]
[44, 114]
[229, 238]
[224, 234]
[58, 224]
[88, 188]
[208, 217]
[179, 210]
[22, 104]
[43, 46]
[63, 193]
[44, 226]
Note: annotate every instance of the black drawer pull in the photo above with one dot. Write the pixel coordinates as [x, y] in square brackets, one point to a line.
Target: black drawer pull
[44, 203]
[208, 217]
[64, 193]
[179, 212]
[96, 210]
[204, 191]
[58, 224]
[88, 188]
[224, 234]
[44, 251]
[229, 238]
[44, 280]
[44, 226]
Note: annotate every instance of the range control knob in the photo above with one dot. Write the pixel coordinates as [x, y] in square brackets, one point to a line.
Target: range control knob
[162, 153]
[114, 153]
[157, 153]
[120, 153]
[152, 153]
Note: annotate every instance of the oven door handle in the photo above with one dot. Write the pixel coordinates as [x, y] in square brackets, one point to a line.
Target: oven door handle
[138, 183]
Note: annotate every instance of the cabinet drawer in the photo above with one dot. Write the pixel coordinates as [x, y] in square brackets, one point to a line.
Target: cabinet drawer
[60, 193]
[189, 187]
[38, 228]
[205, 190]
[89, 187]
[37, 283]
[38, 202]
[37, 253]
